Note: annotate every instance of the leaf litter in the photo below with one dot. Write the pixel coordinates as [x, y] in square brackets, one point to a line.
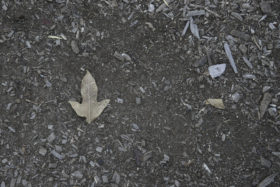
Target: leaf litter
[217, 103]
[89, 108]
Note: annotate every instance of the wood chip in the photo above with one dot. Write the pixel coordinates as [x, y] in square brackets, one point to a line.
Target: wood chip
[267, 97]
[229, 55]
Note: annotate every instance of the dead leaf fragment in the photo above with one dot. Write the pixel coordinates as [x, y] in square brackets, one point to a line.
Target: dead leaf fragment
[217, 103]
[89, 108]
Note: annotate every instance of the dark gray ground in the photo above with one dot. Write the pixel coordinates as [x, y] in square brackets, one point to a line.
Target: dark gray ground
[157, 130]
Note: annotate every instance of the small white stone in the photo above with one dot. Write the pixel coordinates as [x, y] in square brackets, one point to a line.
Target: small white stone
[235, 97]
[42, 151]
[151, 8]
[99, 149]
[216, 70]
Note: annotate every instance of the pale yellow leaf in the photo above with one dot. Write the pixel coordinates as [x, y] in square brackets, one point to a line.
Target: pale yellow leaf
[89, 108]
[218, 103]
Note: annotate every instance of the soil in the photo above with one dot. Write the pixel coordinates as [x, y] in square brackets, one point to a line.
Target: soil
[158, 129]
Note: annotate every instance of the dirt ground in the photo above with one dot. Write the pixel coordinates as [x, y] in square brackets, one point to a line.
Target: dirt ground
[158, 129]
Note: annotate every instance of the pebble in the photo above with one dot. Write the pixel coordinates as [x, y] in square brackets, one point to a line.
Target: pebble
[135, 127]
[74, 46]
[119, 100]
[116, 178]
[105, 179]
[64, 141]
[151, 8]
[3, 184]
[58, 148]
[216, 70]
[265, 162]
[99, 149]
[52, 165]
[24, 182]
[236, 97]
[42, 151]
[138, 100]
[243, 48]
[51, 137]
[77, 174]
[200, 62]
[4, 161]
[272, 111]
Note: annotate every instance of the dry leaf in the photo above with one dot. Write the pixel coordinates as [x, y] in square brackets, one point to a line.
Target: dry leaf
[218, 103]
[89, 107]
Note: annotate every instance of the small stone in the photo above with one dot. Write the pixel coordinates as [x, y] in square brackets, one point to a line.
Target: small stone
[50, 127]
[99, 149]
[92, 164]
[28, 45]
[116, 178]
[126, 57]
[272, 111]
[33, 115]
[119, 100]
[177, 183]
[74, 46]
[216, 70]
[243, 48]
[52, 165]
[24, 182]
[77, 174]
[105, 179]
[42, 151]
[135, 127]
[8, 106]
[4, 161]
[58, 148]
[269, 46]
[151, 8]
[265, 162]
[274, 100]
[235, 97]
[138, 100]
[200, 62]
[51, 137]
[142, 89]
[3, 184]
